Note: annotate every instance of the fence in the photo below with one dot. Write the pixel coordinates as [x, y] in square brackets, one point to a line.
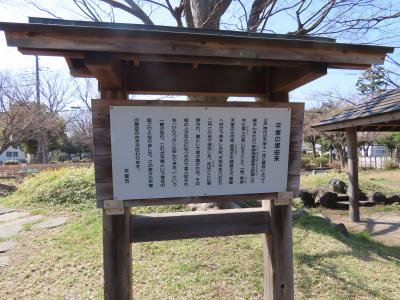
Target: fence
[376, 162]
[14, 171]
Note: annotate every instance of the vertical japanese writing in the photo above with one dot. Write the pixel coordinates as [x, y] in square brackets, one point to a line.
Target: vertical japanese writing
[136, 133]
[174, 152]
[277, 145]
[253, 160]
[231, 149]
[197, 154]
[162, 153]
[186, 151]
[209, 149]
[126, 175]
[243, 134]
[150, 166]
[220, 149]
[264, 150]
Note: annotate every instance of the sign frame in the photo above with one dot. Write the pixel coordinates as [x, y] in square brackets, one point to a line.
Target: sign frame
[103, 160]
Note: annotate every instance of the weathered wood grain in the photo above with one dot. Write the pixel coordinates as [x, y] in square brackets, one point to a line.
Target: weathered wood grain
[185, 225]
[354, 194]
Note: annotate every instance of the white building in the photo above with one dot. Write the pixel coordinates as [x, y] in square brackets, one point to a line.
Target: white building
[376, 150]
[12, 153]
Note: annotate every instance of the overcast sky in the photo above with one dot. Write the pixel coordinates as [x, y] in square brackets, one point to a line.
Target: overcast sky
[342, 81]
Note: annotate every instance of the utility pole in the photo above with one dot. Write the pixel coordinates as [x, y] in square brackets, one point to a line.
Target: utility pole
[41, 152]
[37, 81]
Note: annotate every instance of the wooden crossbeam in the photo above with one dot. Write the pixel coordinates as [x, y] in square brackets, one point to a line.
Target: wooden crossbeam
[185, 225]
[173, 78]
[286, 79]
[107, 71]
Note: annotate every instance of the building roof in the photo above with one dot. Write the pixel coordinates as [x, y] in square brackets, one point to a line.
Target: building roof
[212, 62]
[41, 36]
[381, 113]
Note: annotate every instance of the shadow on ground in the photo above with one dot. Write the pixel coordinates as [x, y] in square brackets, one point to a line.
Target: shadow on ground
[344, 265]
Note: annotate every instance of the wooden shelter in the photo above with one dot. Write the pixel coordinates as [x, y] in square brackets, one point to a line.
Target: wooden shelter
[380, 114]
[138, 59]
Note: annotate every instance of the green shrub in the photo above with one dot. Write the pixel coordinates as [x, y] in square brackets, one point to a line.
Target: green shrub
[305, 162]
[390, 164]
[322, 161]
[11, 162]
[62, 186]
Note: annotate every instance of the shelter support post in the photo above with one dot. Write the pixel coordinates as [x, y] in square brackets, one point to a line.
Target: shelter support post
[278, 253]
[277, 244]
[354, 210]
[117, 248]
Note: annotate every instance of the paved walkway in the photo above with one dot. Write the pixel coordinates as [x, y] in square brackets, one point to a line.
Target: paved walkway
[13, 222]
[382, 226]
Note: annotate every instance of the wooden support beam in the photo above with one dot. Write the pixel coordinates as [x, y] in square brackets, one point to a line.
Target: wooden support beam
[108, 72]
[117, 250]
[185, 225]
[354, 194]
[171, 78]
[278, 244]
[286, 79]
[77, 67]
[278, 253]
[117, 255]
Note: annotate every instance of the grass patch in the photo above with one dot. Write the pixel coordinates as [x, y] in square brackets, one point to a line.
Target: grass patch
[66, 186]
[385, 181]
[66, 262]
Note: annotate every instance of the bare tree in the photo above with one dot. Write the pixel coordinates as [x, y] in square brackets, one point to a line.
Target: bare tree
[86, 89]
[21, 119]
[316, 17]
[311, 135]
[57, 91]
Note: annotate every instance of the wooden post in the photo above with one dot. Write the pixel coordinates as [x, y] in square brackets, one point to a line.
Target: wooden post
[354, 210]
[278, 244]
[278, 253]
[117, 248]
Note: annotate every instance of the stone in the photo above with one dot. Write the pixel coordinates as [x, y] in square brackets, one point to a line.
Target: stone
[11, 228]
[337, 186]
[324, 218]
[307, 198]
[343, 197]
[362, 195]
[12, 216]
[5, 210]
[55, 222]
[327, 199]
[298, 214]
[377, 197]
[7, 245]
[342, 229]
[393, 199]
[7, 187]
[4, 261]
[203, 206]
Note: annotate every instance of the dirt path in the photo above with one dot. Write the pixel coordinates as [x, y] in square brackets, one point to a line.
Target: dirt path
[13, 223]
[382, 226]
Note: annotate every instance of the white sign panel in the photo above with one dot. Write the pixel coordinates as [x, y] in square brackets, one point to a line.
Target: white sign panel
[162, 152]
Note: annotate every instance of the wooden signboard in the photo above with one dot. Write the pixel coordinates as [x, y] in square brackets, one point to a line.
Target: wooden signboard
[149, 137]
[198, 151]
[168, 152]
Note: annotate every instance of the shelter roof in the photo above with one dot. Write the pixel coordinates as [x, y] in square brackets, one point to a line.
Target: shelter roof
[212, 62]
[381, 113]
[41, 36]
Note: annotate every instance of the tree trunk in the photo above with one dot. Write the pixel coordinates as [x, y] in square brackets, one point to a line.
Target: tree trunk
[341, 152]
[203, 17]
[314, 151]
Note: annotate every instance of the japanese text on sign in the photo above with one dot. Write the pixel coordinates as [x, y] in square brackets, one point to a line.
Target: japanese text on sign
[162, 152]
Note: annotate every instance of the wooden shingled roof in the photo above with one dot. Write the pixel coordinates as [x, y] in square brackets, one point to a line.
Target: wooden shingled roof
[381, 113]
[171, 60]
